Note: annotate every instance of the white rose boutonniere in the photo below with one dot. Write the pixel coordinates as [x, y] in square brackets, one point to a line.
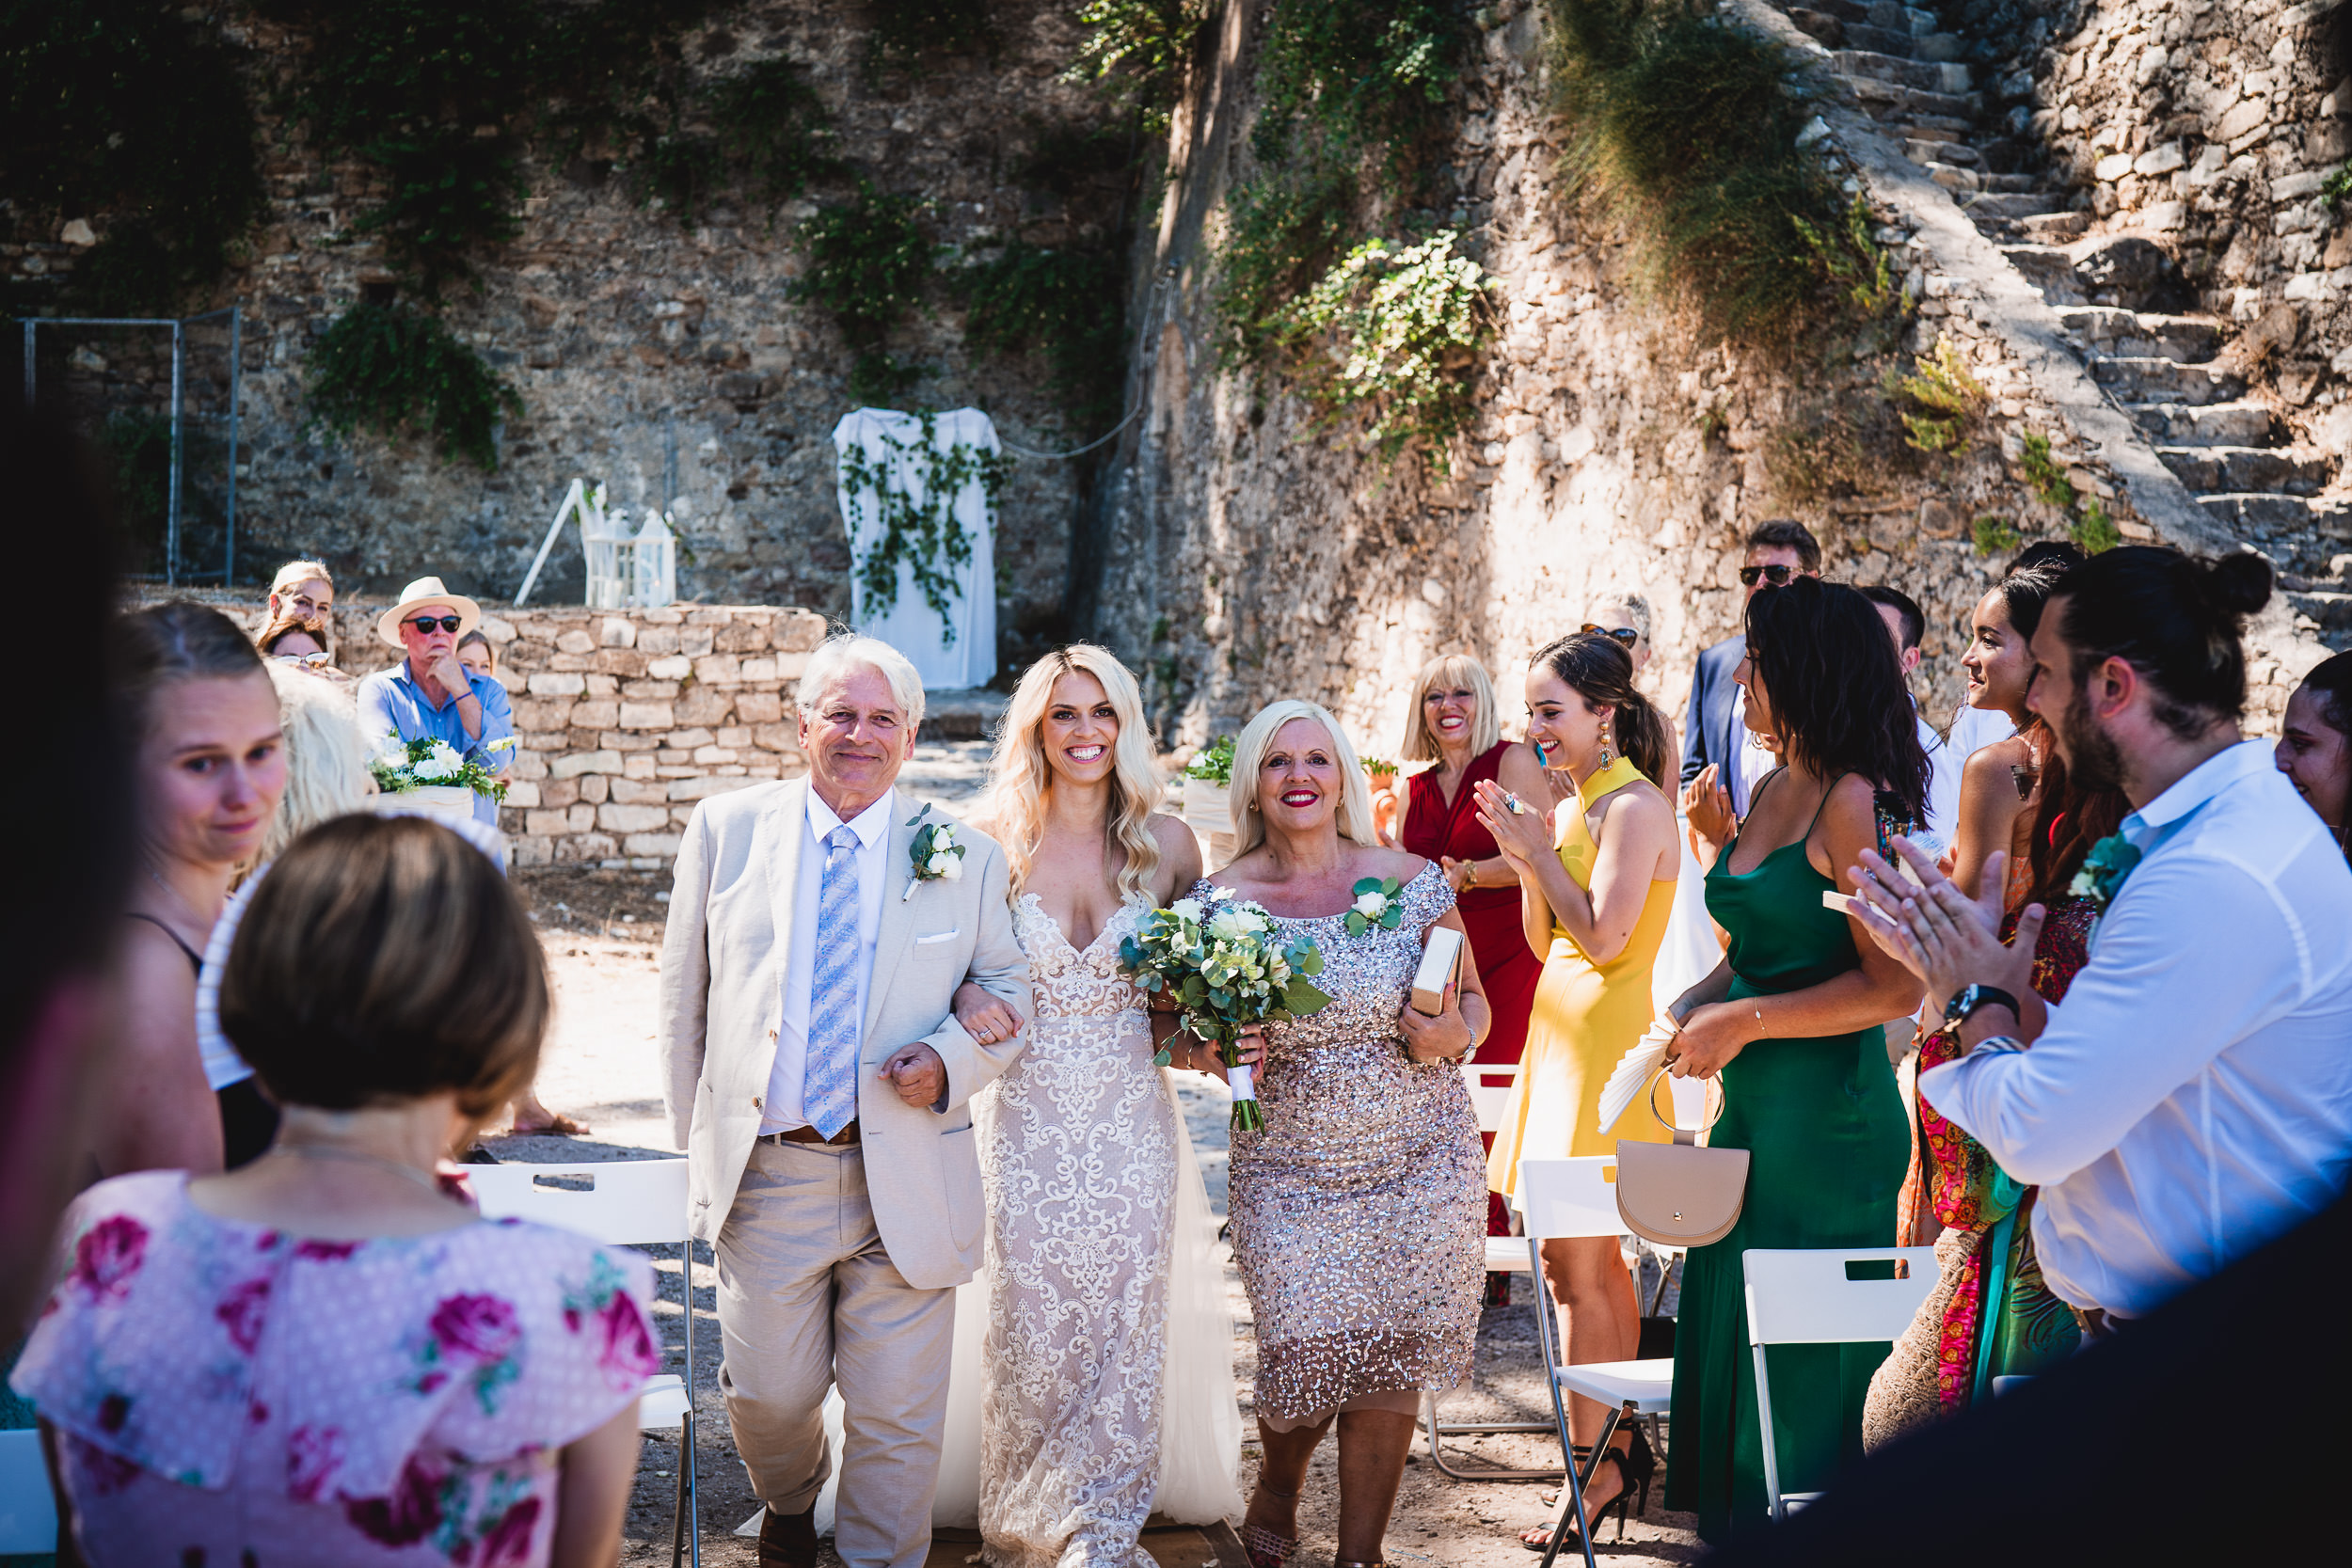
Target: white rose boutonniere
[936, 854]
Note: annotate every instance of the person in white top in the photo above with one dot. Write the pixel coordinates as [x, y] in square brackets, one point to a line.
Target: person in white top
[2190, 1099]
[1908, 625]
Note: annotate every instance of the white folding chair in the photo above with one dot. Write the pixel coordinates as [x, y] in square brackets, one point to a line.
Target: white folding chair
[1490, 1084]
[1811, 1297]
[1562, 1200]
[29, 1509]
[623, 1202]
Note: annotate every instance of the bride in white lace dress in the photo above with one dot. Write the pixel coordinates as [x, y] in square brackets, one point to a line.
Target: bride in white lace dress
[1100, 1279]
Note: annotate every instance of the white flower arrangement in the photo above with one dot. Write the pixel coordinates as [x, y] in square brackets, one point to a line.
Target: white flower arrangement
[936, 854]
[400, 766]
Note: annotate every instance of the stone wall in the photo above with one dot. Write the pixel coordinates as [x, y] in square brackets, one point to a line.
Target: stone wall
[637, 343]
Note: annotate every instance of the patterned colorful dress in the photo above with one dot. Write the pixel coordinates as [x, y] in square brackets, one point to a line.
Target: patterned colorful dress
[1986, 1249]
[1359, 1213]
[224, 1393]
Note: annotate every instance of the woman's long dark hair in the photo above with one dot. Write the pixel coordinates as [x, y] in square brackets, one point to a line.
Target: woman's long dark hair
[2331, 681]
[1597, 668]
[2066, 821]
[1835, 690]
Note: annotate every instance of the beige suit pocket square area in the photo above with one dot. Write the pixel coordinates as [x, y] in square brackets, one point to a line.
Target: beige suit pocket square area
[938, 936]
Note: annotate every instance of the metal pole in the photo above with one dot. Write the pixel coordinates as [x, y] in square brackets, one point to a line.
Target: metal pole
[236, 324]
[172, 509]
[669, 458]
[30, 327]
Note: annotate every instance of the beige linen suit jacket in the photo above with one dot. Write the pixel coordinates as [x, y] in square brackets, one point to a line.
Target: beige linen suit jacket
[724, 961]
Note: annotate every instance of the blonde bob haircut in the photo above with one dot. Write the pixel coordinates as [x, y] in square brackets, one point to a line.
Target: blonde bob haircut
[1454, 670]
[1021, 775]
[1249, 749]
[843, 652]
[326, 767]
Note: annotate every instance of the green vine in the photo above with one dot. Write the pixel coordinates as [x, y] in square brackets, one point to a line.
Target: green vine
[134, 112]
[924, 534]
[1402, 324]
[1946, 393]
[391, 369]
[906, 30]
[2090, 527]
[1994, 536]
[1064, 304]
[1136, 50]
[869, 264]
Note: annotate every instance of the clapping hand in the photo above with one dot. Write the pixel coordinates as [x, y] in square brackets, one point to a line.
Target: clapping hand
[985, 1016]
[1441, 1038]
[919, 1075]
[1938, 932]
[1707, 804]
[1521, 836]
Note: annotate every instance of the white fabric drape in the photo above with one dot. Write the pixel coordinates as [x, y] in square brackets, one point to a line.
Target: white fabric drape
[959, 652]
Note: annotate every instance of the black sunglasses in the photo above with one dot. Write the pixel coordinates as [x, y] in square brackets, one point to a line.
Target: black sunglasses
[1625, 635]
[1778, 575]
[426, 623]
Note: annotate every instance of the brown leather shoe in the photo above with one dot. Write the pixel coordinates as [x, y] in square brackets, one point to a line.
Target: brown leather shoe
[788, 1540]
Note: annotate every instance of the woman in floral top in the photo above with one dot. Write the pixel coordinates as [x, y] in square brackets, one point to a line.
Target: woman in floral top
[323, 1358]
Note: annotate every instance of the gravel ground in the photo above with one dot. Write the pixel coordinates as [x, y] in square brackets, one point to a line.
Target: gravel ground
[601, 931]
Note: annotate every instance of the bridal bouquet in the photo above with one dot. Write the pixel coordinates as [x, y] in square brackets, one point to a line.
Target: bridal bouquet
[1219, 961]
[403, 766]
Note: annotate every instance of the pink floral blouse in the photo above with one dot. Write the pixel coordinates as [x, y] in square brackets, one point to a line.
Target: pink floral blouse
[227, 1395]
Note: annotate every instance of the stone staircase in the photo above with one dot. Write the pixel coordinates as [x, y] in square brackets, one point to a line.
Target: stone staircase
[2170, 372]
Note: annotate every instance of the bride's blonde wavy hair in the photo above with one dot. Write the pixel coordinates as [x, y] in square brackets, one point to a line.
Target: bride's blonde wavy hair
[1020, 775]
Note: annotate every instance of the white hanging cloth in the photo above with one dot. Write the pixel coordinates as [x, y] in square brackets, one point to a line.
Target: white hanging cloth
[957, 649]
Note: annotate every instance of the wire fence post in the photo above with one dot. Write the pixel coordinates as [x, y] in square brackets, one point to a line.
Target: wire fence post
[171, 504]
[236, 333]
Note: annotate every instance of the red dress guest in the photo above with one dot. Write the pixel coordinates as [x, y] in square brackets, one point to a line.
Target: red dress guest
[1456, 722]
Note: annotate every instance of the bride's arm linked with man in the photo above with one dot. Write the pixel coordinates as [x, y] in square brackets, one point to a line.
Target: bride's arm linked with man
[807, 972]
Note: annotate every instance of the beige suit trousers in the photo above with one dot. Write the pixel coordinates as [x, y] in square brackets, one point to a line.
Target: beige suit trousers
[807, 1299]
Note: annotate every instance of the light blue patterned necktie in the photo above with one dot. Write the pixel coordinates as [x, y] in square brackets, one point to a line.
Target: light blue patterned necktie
[830, 1097]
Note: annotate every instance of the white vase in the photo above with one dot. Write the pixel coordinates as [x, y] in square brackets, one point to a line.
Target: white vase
[442, 803]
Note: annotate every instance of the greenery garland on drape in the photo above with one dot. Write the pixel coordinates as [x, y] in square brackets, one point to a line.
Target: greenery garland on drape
[925, 534]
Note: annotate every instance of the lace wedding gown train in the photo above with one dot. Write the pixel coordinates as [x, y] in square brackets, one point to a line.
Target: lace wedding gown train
[1093, 1367]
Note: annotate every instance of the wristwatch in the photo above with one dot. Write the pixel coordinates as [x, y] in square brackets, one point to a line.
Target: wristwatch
[1972, 996]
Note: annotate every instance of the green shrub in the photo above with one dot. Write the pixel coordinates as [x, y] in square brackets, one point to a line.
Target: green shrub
[392, 370]
[1682, 125]
[1402, 323]
[1138, 49]
[868, 265]
[2044, 475]
[134, 109]
[1994, 536]
[2094, 530]
[1950, 395]
[1064, 304]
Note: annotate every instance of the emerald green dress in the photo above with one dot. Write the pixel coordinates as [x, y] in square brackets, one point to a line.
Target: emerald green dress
[1828, 1144]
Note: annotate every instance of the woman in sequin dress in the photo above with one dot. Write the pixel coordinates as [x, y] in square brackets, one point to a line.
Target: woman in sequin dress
[1359, 1212]
[1080, 1428]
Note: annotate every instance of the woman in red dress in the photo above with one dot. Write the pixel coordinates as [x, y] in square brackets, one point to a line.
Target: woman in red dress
[1456, 724]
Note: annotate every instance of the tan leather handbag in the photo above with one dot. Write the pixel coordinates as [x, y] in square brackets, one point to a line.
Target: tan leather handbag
[1678, 1195]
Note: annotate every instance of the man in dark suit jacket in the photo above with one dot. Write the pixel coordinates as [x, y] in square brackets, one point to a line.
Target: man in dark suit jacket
[1778, 550]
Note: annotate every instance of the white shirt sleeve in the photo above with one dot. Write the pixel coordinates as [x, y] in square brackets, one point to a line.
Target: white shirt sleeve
[2193, 941]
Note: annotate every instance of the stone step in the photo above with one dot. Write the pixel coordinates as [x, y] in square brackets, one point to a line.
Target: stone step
[2017, 204]
[1940, 47]
[1840, 10]
[2333, 611]
[2226, 424]
[1935, 128]
[2262, 512]
[1896, 17]
[2280, 469]
[1959, 181]
[1877, 41]
[2139, 334]
[2154, 378]
[1931, 152]
[2056, 228]
[1817, 24]
[2045, 267]
[1857, 65]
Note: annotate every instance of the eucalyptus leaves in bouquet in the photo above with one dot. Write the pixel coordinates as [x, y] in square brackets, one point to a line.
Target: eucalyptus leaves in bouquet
[1219, 961]
[401, 766]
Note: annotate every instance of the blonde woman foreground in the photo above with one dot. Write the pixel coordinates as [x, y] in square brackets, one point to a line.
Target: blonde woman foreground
[1359, 1212]
[1096, 1384]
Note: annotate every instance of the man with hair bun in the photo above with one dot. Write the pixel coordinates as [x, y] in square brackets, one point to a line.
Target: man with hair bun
[2191, 1099]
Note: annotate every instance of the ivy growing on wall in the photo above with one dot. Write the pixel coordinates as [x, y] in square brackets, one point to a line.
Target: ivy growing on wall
[868, 263]
[396, 370]
[924, 534]
[905, 31]
[1136, 50]
[135, 112]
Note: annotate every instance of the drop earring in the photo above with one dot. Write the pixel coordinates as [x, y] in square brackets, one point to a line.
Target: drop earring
[1607, 754]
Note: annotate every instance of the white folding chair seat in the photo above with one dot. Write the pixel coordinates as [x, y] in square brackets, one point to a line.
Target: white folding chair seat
[624, 1203]
[1490, 1084]
[29, 1509]
[1809, 1297]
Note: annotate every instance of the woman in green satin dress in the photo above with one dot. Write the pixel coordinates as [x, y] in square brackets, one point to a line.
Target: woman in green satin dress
[1792, 1020]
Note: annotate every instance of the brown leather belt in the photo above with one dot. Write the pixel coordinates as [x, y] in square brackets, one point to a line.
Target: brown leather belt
[810, 1135]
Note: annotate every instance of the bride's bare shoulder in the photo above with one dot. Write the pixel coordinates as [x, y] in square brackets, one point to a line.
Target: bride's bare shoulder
[1180, 854]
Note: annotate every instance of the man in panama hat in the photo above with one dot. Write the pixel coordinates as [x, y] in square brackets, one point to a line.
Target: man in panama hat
[430, 695]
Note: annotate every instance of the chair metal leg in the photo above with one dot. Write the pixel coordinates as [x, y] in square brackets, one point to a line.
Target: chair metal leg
[686, 1529]
[1572, 1494]
[1455, 1429]
[1764, 1428]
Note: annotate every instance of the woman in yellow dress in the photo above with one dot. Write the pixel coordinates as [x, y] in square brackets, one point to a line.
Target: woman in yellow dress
[1594, 895]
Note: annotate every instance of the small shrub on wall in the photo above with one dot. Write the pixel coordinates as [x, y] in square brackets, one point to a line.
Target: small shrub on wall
[395, 371]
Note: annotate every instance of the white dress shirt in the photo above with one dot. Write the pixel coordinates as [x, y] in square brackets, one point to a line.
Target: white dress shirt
[2192, 1097]
[1944, 768]
[1750, 762]
[873, 827]
[1974, 728]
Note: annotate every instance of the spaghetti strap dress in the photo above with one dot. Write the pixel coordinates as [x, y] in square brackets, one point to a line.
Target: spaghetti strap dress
[1586, 1016]
[1828, 1143]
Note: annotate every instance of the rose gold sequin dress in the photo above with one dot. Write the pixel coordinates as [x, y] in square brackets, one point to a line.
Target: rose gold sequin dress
[1359, 1215]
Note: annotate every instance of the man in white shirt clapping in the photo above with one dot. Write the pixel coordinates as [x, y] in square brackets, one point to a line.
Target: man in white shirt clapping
[2192, 1096]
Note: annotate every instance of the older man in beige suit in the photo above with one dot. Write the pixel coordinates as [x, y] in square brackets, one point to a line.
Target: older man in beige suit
[821, 1086]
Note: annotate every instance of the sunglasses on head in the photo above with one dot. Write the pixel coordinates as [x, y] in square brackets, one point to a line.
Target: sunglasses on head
[426, 623]
[1778, 575]
[1626, 635]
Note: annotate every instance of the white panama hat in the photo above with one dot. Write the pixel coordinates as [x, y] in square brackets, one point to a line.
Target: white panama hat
[425, 591]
